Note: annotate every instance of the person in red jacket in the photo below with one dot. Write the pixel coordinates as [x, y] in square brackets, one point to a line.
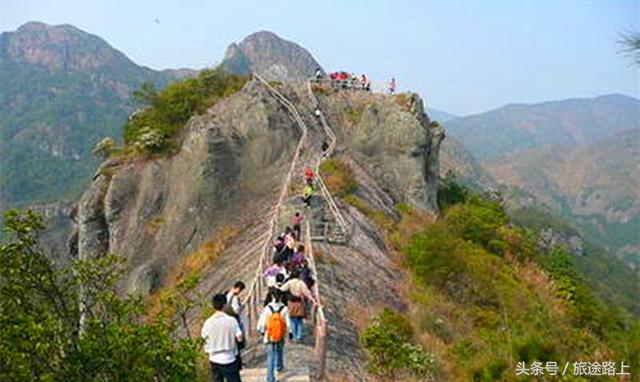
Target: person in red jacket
[309, 176]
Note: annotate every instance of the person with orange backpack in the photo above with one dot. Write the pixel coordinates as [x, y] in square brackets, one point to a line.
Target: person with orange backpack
[274, 323]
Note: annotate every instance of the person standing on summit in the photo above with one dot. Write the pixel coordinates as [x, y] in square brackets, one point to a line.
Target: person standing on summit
[392, 85]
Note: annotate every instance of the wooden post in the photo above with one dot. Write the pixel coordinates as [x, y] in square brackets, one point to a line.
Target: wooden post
[321, 347]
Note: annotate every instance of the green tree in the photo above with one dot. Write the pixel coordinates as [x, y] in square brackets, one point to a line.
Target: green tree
[72, 325]
[631, 43]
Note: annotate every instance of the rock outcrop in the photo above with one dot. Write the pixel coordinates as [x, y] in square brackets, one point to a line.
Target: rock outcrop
[155, 212]
[271, 56]
[392, 138]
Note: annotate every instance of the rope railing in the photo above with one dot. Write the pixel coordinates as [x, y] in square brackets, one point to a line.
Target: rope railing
[258, 286]
[332, 136]
[252, 300]
[319, 319]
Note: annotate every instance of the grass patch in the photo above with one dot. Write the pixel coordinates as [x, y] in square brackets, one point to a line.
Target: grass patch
[404, 100]
[339, 177]
[323, 90]
[379, 218]
[353, 114]
[154, 224]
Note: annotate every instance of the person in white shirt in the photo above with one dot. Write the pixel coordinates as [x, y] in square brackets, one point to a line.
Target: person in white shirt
[222, 333]
[233, 297]
[275, 347]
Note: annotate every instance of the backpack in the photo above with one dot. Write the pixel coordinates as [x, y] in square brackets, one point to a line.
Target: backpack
[276, 326]
[296, 308]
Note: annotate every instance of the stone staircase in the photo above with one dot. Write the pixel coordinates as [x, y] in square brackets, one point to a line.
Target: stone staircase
[260, 375]
[326, 228]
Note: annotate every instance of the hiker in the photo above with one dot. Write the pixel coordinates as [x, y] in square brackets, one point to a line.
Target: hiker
[296, 222]
[279, 281]
[274, 324]
[306, 276]
[233, 299]
[307, 193]
[285, 254]
[363, 81]
[221, 334]
[278, 245]
[298, 292]
[297, 259]
[392, 85]
[308, 175]
[271, 273]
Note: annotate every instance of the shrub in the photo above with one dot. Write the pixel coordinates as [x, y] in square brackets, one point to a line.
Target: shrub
[353, 114]
[478, 220]
[451, 192]
[154, 128]
[105, 148]
[391, 353]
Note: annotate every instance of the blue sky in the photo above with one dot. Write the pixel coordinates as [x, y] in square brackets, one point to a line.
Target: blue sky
[463, 57]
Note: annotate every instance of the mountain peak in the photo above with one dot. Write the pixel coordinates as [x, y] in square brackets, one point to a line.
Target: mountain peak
[57, 48]
[270, 55]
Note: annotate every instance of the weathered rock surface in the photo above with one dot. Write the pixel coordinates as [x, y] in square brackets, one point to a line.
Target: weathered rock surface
[393, 140]
[271, 56]
[154, 212]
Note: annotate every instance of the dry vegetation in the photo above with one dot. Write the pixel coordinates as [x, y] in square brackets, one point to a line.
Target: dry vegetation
[189, 268]
[339, 177]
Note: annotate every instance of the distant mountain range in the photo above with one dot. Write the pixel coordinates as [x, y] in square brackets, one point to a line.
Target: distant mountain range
[597, 187]
[568, 123]
[62, 91]
[439, 115]
[578, 158]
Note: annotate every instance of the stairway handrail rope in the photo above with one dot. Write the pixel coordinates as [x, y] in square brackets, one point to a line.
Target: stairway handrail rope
[257, 280]
[320, 331]
[323, 187]
[256, 285]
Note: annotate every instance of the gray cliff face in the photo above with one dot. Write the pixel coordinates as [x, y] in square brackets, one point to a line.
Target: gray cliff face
[271, 56]
[155, 212]
[393, 139]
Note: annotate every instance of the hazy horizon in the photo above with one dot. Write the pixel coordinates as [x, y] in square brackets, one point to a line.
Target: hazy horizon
[512, 53]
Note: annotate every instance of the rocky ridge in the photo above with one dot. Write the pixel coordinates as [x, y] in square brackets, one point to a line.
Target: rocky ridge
[232, 158]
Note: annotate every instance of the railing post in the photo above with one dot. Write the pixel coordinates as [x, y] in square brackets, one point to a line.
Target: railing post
[321, 348]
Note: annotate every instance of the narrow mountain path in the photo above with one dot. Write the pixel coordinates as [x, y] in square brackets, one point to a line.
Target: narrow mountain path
[303, 361]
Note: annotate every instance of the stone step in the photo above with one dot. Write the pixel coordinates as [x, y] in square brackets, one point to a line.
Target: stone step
[260, 375]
